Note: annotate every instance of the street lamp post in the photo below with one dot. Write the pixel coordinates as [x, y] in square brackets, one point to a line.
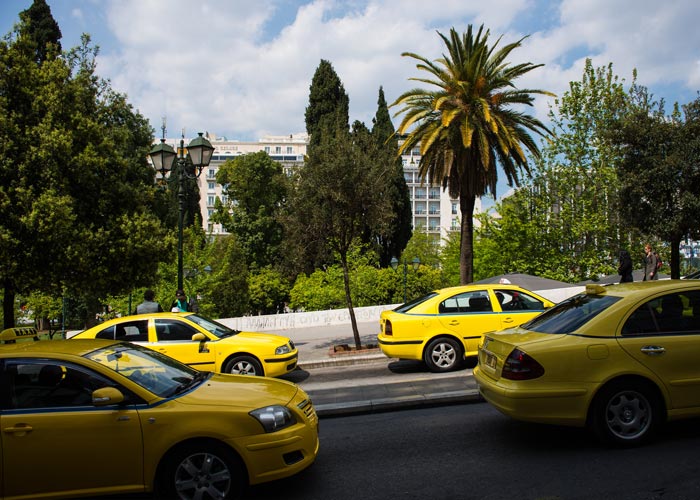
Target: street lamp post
[395, 264]
[163, 157]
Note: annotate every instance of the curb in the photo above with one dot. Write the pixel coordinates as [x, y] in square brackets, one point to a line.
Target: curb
[345, 360]
[396, 403]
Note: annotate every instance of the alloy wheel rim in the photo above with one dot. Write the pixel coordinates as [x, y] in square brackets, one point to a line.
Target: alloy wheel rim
[443, 355]
[202, 476]
[628, 415]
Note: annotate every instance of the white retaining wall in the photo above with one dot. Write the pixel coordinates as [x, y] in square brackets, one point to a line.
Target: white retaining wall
[277, 322]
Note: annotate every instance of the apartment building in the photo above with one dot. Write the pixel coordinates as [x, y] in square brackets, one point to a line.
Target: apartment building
[434, 212]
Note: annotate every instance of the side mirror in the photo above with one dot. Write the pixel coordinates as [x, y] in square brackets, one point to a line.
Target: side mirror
[199, 337]
[107, 396]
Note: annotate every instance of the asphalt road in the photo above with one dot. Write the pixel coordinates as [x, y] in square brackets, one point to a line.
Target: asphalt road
[470, 451]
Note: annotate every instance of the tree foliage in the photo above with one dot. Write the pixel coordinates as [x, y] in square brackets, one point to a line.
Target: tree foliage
[329, 106]
[76, 188]
[469, 123]
[391, 242]
[256, 190]
[660, 174]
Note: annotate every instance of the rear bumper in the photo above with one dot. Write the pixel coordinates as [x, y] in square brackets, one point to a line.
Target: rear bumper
[400, 348]
[536, 402]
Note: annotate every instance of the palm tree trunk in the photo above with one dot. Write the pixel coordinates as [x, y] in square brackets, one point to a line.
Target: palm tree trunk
[466, 245]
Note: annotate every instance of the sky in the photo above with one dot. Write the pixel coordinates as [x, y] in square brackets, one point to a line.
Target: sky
[242, 69]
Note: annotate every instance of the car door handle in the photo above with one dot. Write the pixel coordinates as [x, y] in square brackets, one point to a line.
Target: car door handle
[508, 320]
[454, 322]
[20, 429]
[653, 350]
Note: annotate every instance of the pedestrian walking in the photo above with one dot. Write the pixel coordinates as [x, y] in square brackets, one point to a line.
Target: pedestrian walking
[650, 263]
[181, 304]
[625, 267]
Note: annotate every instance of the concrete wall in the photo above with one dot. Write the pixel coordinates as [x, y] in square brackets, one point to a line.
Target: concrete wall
[278, 322]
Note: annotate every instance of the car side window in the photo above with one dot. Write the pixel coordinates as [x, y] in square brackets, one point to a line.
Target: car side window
[515, 300]
[131, 331]
[671, 313]
[48, 384]
[169, 330]
[468, 302]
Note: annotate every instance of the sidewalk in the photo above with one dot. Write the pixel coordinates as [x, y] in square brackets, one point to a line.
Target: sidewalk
[353, 383]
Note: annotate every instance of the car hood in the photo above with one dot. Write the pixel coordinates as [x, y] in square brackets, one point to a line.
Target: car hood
[260, 338]
[241, 391]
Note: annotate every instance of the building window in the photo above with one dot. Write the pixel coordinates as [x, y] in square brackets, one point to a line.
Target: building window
[290, 150]
[267, 149]
[454, 209]
[210, 200]
[212, 173]
[212, 186]
[278, 150]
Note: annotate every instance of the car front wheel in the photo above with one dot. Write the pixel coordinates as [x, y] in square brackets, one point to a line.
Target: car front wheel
[244, 365]
[625, 413]
[443, 355]
[203, 471]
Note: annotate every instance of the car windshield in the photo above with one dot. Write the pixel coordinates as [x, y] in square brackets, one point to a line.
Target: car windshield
[410, 305]
[571, 314]
[152, 370]
[216, 329]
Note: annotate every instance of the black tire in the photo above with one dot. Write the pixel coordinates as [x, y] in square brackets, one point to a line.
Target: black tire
[244, 365]
[443, 354]
[205, 470]
[626, 413]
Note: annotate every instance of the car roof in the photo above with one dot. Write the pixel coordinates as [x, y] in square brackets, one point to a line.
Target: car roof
[481, 286]
[641, 289]
[74, 347]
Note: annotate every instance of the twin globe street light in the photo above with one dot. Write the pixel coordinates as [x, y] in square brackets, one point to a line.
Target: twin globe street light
[163, 157]
[395, 264]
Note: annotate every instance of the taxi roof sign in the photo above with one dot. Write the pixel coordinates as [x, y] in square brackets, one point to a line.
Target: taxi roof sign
[11, 335]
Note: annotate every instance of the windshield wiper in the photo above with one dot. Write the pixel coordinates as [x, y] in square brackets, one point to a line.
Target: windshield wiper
[189, 383]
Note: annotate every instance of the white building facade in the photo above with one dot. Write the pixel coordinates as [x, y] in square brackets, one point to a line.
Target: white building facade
[434, 212]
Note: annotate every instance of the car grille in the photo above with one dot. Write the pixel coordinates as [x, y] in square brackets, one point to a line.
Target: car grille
[307, 408]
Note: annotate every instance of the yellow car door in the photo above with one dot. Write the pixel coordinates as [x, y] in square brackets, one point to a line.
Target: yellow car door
[664, 335]
[55, 440]
[469, 315]
[174, 339]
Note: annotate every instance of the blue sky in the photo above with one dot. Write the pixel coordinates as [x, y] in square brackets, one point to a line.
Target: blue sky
[242, 69]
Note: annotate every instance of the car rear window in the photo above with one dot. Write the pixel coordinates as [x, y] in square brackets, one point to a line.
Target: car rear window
[410, 305]
[569, 315]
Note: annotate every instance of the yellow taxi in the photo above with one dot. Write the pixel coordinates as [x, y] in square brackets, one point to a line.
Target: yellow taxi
[91, 417]
[620, 359]
[445, 326]
[202, 343]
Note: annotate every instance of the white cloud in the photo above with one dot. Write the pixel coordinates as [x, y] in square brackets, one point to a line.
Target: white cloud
[213, 65]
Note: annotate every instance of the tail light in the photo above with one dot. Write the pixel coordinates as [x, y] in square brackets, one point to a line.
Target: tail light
[387, 328]
[521, 366]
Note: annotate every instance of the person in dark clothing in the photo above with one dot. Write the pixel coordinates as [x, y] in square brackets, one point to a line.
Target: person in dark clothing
[625, 267]
[181, 304]
[149, 305]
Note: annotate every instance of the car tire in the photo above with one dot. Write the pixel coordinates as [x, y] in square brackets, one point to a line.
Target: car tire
[202, 470]
[443, 355]
[244, 365]
[626, 413]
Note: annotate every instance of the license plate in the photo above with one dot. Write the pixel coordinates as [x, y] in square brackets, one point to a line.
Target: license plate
[490, 360]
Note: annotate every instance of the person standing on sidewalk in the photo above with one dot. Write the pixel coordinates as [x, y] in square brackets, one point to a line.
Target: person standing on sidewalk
[650, 263]
[625, 267]
[149, 305]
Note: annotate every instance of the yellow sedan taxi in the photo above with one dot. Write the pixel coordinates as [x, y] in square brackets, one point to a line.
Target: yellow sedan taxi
[83, 418]
[202, 343]
[620, 359]
[445, 326]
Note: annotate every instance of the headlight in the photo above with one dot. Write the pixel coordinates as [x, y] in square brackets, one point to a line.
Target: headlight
[273, 418]
[283, 350]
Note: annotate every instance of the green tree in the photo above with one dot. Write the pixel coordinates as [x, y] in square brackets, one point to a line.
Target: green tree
[76, 187]
[256, 190]
[471, 122]
[269, 291]
[660, 174]
[228, 284]
[335, 198]
[391, 242]
[42, 29]
[329, 105]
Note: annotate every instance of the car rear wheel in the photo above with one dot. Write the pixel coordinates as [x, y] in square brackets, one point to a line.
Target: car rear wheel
[202, 471]
[625, 413]
[244, 365]
[443, 355]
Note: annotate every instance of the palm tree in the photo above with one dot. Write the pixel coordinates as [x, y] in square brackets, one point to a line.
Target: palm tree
[467, 124]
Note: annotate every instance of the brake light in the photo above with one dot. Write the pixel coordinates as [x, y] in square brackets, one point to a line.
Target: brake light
[521, 366]
[387, 328]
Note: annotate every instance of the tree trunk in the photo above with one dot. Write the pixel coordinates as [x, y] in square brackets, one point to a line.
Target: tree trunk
[348, 301]
[466, 246]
